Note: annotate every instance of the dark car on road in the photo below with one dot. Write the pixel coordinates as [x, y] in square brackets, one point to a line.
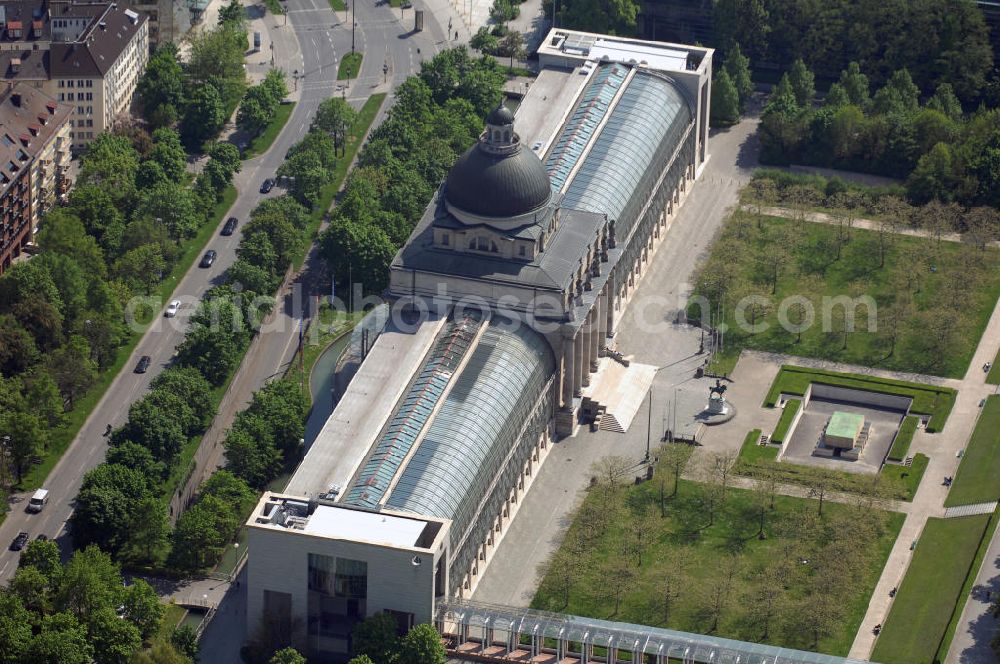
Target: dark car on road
[267, 185]
[19, 541]
[42, 538]
[230, 226]
[208, 258]
[143, 364]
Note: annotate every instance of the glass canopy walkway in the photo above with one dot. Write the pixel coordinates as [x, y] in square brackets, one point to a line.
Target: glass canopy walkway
[479, 632]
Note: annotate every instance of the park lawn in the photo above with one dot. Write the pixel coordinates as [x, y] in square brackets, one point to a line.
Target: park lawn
[993, 377]
[754, 452]
[970, 580]
[928, 595]
[355, 137]
[936, 402]
[350, 65]
[901, 444]
[262, 143]
[337, 5]
[683, 534]
[978, 476]
[935, 337]
[61, 437]
[788, 414]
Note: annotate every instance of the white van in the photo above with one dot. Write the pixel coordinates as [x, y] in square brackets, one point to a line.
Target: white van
[37, 502]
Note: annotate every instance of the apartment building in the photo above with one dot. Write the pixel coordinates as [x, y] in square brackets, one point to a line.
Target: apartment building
[88, 55]
[34, 152]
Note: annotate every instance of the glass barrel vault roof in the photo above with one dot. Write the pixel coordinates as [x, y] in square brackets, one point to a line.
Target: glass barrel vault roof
[650, 111]
[411, 416]
[469, 437]
[625, 636]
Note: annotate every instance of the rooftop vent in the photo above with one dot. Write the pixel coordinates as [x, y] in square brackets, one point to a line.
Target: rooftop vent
[15, 98]
[15, 65]
[132, 16]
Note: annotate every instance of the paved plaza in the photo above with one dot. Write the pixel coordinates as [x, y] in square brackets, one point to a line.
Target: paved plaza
[799, 447]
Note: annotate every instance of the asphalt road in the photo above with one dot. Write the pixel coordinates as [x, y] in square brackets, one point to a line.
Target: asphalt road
[323, 38]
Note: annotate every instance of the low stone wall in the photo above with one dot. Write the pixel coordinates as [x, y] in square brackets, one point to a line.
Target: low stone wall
[861, 397]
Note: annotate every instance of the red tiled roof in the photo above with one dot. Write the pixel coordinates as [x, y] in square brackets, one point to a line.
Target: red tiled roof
[13, 25]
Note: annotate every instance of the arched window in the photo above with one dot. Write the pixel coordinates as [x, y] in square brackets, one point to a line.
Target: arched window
[506, 136]
[496, 135]
[472, 242]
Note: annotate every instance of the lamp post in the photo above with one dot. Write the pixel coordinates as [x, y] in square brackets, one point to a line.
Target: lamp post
[385, 71]
[354, 22]
[449, 28]
[272, 53]
[295, 79]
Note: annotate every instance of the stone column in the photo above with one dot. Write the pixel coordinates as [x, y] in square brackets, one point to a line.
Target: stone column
[587, 334]
[602, 320]
[595, 334]
[612, 288]
[569, 373]
[577, 363]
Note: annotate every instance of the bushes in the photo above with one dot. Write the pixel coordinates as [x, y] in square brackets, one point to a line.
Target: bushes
[204, 529]
[260, 103]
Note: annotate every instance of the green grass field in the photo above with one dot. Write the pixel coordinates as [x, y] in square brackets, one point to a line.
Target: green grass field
[924, 603]
[753, 452]
[788, 414]
[604, 540]
[931, 303]
[927, 399]
[350, 65]
[355, 138]
[60, 438]
[978, 476]
[337, 5]
[262, 143]
[901, 444]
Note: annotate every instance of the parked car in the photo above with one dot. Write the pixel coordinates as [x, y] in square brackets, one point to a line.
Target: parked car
[172, 308]
[230, 226]
[19, 541]
[267, 185]
[208, 258]
[144, 362]
[41, 538]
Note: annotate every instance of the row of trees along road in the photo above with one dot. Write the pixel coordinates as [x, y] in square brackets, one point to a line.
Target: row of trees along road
[62, 314]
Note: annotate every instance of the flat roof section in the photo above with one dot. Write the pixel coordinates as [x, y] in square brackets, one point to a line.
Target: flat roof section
[541, 113]
[845, 425]
[366, 406]
[356, 525]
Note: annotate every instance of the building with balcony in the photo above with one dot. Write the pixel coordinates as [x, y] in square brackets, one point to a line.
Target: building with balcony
[88, 55]
[34, 151]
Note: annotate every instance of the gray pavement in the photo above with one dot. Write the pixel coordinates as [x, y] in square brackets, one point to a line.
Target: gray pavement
[546, 510]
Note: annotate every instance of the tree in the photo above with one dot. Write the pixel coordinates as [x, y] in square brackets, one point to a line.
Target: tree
[718, 590]
[32, 588]
[202, 532]
[362, 252]
[204, 115]
[142, 608]
[158, 429]
[945, 101]
[803, 83]
[28, 439]
[185, 640]
[111, 162]
[512, 46]
[15, 629]
[737, 66]
[360, 659]
[982, 224]
[17, 347]
[254, 113]
[72, 369]
[564, 569]
[90, 581]
[836, 97]
[164, 653]
[161, 87]
[725, 100]
[216, 58]
[855, 84]
[375, 637]
[114, 640]
[485, 41]
[765, 485]
[898, 95]
[43, 555]
[287, 656]
[335, 117]
[309, 176]
[141, 268]
[743, 21]
[106, 506]
[672, 581]
[95, 208]
[213, 352]
[187, 384]
[674, 458]
[149, 533]
[62, 640]
[766, 596]
[227, 156]
[421, 645]
[232, 12]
